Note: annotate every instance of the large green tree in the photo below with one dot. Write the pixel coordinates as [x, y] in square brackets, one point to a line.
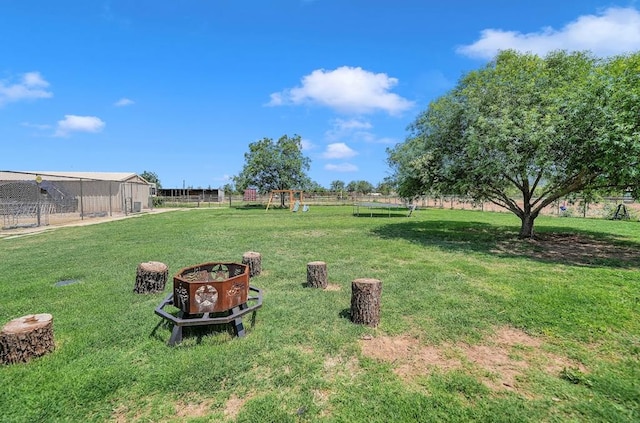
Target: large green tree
[525, 131]
[275, 165]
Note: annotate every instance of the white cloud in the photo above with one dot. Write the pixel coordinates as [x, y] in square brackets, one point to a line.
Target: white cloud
[342, 167]
[123, 102]
[352, 124]
[276, 100]
[74, 123]
[355, 130]
[341, 128]
[34, 79]
[615, 31]
[31, 86]
[307, 145]
[347, 90]
[38, 126]
[339, 150]
[224, 178]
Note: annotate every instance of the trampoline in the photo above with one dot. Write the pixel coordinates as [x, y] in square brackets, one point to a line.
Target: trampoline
[381, 209]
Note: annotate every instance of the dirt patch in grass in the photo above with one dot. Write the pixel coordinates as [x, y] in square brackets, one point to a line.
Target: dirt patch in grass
[193, 409]
[321, 399]
[577, 249]
[500, 362]
[339, 367]
[119, 414]
[233, 406]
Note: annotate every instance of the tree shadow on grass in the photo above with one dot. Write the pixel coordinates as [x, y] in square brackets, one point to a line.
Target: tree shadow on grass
[552, 244]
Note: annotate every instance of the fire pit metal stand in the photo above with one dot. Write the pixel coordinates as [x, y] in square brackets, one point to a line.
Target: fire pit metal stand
[232, 317]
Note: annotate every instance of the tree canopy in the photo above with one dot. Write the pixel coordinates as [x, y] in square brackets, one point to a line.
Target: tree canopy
[152, 178]
[361, 186]
[541, 128]
[337, 185]
[273, 165]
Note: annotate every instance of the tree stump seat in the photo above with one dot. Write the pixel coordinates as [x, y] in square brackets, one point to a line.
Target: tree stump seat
[365, 301]
[25, 338]
[254, 260]
[151, 277]
[317, 274]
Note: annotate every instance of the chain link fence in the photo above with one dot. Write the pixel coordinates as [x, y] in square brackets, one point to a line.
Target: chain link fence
[605, 207]
[29, 199]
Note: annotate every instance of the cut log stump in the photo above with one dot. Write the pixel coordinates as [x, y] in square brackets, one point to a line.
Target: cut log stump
[151, 277]
[317, 274]
[365, 301]
[254, 260]
[25, 338]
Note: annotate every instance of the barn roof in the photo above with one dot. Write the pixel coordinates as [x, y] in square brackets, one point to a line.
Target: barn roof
[8, 175]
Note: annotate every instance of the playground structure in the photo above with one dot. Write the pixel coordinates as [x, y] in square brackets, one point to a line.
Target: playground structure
[621, 213]
[294, 202]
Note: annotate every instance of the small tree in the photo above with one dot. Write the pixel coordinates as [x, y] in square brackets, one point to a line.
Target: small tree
[337, 186]
[228, 189]
[540, 127]
[360, 187]
[314, 187]
[385, 187]
[152, 178]
[276, 165]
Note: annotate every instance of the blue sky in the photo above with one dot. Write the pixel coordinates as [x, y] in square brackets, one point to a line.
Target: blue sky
[181, 87]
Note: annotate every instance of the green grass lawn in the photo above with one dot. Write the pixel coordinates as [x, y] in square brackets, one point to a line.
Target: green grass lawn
[475, 324]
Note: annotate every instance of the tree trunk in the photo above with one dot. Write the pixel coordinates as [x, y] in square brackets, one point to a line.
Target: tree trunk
[365, 301]
[151, 277]
[25, 338]
[317, 274]
[254, 260]
[526, 228]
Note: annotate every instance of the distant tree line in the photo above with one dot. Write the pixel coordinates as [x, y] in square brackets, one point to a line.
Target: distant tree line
[281, 165]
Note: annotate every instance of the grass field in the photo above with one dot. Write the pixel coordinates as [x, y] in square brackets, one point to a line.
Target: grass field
[475, 324]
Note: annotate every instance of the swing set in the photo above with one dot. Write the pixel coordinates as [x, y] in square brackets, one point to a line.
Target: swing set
[621, 213]
[290, 194]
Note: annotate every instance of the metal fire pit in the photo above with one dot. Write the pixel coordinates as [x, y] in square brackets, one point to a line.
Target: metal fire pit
[208, 294]
[211, 287]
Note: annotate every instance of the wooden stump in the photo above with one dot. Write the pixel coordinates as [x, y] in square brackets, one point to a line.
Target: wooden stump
[151, 277]
[254, 260]
[365, 301]
[25, 338]
[317, 274]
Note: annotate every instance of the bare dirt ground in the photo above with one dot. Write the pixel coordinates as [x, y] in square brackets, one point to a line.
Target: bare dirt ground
[500, 362]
